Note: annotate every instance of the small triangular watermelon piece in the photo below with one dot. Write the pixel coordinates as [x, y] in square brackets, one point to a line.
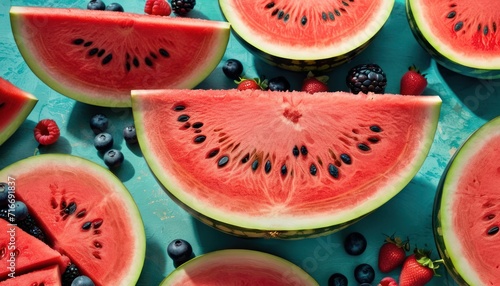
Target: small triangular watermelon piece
[49, 276]
[23, 253]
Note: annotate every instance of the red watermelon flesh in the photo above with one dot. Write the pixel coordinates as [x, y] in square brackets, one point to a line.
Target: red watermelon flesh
[15, 106]
[22, 252]
[50, 276]
[283, 161]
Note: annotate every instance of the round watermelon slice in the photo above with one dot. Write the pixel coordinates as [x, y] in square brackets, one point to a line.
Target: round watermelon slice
[97, 57]
[282, 164]
[235, 267]
[86, 213]
[467, 209]
[15, 106]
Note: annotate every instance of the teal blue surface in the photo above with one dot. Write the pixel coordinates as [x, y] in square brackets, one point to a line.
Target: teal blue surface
[467, 104]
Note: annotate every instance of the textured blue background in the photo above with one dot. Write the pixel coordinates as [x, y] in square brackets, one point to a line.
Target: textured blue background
[467, 104]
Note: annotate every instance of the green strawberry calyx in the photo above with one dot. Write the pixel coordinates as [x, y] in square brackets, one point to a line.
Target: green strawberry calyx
[414, 68]
[423, 258]
[404, 244]
[322, 78]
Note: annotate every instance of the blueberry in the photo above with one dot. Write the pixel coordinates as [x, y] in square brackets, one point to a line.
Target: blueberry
[115, 7]
[233, 69]
[130, 135]
[20, 211]
[113, 158]
[355, 243]
[4, 194]
[82, 280]
[180, 251]
[364, 273]
[337, 279]
[103, 141]
[99, 123]
[96, 5]
[279, 83]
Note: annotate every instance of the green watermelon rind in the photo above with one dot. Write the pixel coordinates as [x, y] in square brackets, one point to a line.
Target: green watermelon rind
[24, 166]
[296, 276]
[313, 227]
[199, 74]
[447, 245]
[304, 59]
[445, 56]
[12, 127]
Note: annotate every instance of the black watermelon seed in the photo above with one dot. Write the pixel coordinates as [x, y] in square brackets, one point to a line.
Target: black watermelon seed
[331, 16]
[223, 161]
[87, 225]
[135, 61]
[186, 125]
[267, 167]
[127, 56]
[270, 5]
[97, 223]
[337, 12]
[287, 16]
[489, 217]
[255, 165]
[148, 62]
[153, 55]
[200, 139]
[303, 150]
[323, 15]
[93, 51]
[281, 13]
[275, 11]
[363, 147]
[183, 118]
[345, 3]
[127, 66]
[87, 44]
[78, 41]
[283, 170]
[245, 159]
[179, 107]
[303, 21]
[295, 151]
[485, 30]
[313, 170]
[164, 53]
[373, 139]
[333, 171]
[97, 244]
[458, 26]
[107, 59]
[70, 209]
[101, 52]
[375, 128]
[81, 213]
[494, 25]
[493, 230]
[452, 14]
[213, 153]
[346, 158]
[197, 125]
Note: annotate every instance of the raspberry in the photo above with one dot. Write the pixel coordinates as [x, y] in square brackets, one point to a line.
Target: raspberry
[157, 7]
[46, 132]
[182, 7]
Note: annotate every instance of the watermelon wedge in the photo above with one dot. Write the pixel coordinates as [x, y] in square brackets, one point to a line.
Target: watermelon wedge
[97, 57]
[290, 164]
[15, 106]
[49, 276]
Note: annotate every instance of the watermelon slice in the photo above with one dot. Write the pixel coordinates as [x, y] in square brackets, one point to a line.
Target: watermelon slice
[86, 212]
[467, 209]
[97, 57]
[15, 106]
[235, 267]
[23, 252]
[290, 164]
[49, 276]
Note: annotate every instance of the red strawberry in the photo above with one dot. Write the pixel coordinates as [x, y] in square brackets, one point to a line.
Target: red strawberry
[388, 281]
[157, 7]
[250, 83]
[314, 84]
[418, 269]
[412, 82]
[392, 254]
[46, 132]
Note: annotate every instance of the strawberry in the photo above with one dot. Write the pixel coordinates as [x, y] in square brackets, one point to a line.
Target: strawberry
[250, 83]
[314, 84]
[46, 132]
[157, 7]
[413, 82]
[418, 269]
[388, 281]
[392, 254]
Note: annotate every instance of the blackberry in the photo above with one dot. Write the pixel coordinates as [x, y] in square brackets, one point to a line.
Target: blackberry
[36, 232]
[70, 274]
[366, 78]
[30, 226]
[182, 7]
